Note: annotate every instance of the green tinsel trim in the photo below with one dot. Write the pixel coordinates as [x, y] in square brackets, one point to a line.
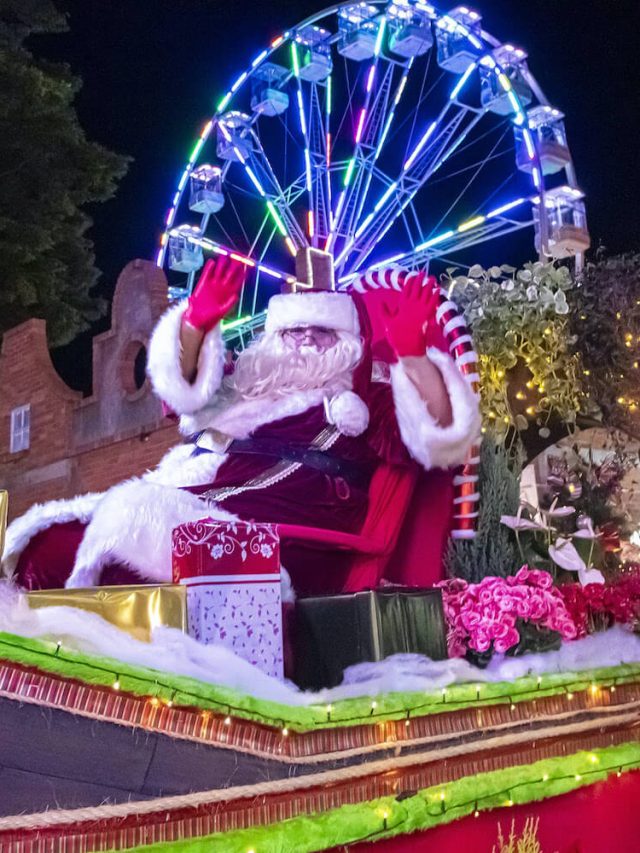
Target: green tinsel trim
[386, 817]
[181, 690]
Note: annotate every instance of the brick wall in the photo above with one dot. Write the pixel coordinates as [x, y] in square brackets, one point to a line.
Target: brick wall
[81, 444]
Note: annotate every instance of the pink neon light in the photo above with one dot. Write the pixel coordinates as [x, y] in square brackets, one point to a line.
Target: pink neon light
[328, 150]
[363, 113]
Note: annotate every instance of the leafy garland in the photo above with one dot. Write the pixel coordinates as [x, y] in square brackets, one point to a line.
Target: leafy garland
[529, 368]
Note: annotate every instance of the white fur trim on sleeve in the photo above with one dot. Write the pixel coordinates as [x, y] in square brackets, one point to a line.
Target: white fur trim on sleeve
[38, 518]
[428, 443]
[164, 365]
[349, 413]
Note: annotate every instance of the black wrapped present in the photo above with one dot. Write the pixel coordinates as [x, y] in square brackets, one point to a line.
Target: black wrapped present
[333, 632]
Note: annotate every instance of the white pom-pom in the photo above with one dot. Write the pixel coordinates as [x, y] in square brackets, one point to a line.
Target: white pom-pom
[349, 413]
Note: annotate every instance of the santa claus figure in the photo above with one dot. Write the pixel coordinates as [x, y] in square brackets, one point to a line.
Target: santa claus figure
[291, 433]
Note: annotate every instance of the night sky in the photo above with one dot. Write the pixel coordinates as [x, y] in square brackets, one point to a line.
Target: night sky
[153, 71]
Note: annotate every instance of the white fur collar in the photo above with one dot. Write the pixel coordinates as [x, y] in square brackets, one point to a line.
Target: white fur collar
[241, 418]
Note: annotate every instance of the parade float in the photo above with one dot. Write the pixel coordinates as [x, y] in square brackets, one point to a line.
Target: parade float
[453, 660]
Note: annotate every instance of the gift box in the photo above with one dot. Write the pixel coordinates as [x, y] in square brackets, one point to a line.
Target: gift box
[134, 609]
[4, 503]
[231, 571]
[332, 632]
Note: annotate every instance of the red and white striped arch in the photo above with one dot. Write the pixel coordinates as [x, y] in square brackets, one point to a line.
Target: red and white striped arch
[460, 343]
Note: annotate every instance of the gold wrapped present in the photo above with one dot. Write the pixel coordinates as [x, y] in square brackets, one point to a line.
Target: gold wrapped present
[134, 609]
[4, 502]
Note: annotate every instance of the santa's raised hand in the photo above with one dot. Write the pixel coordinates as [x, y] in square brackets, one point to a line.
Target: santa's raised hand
[411, 318]
[215, 294]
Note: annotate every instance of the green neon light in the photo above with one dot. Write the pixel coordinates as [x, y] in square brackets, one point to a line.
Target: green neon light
[196, 150]
[294, 59]
[349, 172]
[235, 323]
[276, 218]
[380, 36]
[223, 103]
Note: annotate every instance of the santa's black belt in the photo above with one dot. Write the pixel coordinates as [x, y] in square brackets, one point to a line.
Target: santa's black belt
[357, 474]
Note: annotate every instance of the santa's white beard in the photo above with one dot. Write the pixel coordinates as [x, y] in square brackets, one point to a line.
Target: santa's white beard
[268, 368]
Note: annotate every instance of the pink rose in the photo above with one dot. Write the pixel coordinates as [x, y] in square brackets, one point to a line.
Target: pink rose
[511, 638]
[507, 603]
[470, 619]
[480, 641]
[501, 629]
[542, 580]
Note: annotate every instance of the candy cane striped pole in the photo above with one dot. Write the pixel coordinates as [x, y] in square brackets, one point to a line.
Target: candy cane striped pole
[457, 335]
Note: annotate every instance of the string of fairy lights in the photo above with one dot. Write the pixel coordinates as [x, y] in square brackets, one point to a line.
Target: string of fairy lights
[440, 800]
[162, 693]
[393, 819]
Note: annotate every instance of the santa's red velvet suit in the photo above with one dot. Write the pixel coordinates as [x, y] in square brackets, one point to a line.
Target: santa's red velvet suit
[245, 457]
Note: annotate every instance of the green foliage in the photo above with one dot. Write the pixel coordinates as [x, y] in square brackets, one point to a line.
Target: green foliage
[520, 325]
[494, 550]
[605, 318]
[49, 171]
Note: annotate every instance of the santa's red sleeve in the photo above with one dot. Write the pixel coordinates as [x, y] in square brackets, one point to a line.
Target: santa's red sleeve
[164, 369]
[402, 427]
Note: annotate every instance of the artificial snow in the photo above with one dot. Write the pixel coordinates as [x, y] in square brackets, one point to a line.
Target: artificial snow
[174, 652]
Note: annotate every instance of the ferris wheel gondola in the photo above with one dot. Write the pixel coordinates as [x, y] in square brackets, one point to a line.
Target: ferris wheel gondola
[384, 132]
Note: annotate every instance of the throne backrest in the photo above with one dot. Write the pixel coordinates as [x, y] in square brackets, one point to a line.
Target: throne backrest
[381, 286]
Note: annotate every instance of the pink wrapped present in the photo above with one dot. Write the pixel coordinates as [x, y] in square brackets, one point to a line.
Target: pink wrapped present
[232, 574]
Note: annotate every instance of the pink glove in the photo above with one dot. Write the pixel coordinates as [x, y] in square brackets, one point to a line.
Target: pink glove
[408, 320]
[215, 294]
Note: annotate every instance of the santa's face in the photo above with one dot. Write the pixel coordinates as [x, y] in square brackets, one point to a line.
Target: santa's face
[309, 339]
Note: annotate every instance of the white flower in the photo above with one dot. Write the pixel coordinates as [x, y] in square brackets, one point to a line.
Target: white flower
[217, 551]
[532, 293]
[586, 576]
[475, 271]
[516, 522]
[266, 550]
[564, 554]
[559, 511]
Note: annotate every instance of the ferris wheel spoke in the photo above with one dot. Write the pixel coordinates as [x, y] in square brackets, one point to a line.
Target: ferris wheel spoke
[382, 114]
[366, 122]
[436, 145]
[266, 183]
[483, 227]
[477, 169]
[308, 125]
[319, 212]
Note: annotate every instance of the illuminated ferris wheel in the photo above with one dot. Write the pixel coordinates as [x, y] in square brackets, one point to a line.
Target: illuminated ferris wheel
[386, 133]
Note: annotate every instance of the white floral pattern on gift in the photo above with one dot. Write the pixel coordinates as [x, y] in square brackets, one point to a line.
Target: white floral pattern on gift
[245, 618]
[226, 539]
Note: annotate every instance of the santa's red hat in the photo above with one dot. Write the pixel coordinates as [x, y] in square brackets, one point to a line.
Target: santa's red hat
[313, 301]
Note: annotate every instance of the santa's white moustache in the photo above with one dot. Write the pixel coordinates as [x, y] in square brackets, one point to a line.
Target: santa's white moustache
[269, 368]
